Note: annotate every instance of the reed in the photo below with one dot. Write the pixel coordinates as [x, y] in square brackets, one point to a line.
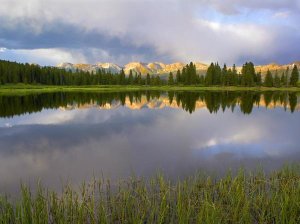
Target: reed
[241, 198]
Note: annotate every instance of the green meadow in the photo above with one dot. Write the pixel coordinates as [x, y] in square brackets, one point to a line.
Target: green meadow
[13, 89]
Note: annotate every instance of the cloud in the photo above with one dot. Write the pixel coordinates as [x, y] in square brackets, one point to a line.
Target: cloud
[237, 6]
[54, 56]
[42, 56]
[124, 30]
[282, 14]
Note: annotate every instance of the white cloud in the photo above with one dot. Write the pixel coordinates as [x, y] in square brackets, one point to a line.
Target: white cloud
[171, 27]
[237, 6]
[246, 136]
[54, 56]
[44, 118]
[59, 116]
[43, 56]
[281, 15]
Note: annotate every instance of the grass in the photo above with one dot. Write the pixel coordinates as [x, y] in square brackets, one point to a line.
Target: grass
[241, 198]
[15, 89]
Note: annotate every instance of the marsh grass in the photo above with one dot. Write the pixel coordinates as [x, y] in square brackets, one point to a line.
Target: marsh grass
[241, 198]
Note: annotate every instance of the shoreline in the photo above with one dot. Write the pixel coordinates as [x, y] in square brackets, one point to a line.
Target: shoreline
[20, 88]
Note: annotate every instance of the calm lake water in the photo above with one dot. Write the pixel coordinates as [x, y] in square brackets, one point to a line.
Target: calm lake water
[71, 137]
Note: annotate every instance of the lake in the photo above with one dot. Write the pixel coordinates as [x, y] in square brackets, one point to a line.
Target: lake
[72, 136]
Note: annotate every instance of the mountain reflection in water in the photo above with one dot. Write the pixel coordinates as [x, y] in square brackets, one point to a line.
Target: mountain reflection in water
[189, 101]
[60, 137]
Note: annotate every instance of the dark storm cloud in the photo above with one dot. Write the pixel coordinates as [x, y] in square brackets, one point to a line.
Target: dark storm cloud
[67, 36]
[59, 35]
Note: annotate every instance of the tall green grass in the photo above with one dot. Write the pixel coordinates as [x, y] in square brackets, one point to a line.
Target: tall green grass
[241, 198]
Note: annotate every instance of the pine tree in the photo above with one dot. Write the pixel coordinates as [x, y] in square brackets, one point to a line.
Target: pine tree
[268, 79]
[157, 80]
[152, 81]
[178, 77]
[148, 79]
[283, 79]
[188, 77]
[209, 75]
[135, 79]
[171, 79]
[217, 74]
[224, 76]
[230, 80]
[235, 78]
[183, 75]
[258, 79]
[192, 73]
[139, 79]
[287, 74]
[294, 76]
[248, 73]
[201, 80]
[276, 80]
[122, 77]
[130, 78]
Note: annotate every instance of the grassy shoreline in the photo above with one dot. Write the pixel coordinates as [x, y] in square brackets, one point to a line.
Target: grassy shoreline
[241, 198]
[21, 88]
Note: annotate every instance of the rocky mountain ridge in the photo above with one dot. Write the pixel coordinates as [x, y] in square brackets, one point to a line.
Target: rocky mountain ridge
[160, 68]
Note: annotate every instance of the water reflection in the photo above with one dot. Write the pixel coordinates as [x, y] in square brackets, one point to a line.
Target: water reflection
[76, 136]
[189, 101]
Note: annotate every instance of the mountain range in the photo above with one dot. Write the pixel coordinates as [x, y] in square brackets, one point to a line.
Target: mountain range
[160, 68]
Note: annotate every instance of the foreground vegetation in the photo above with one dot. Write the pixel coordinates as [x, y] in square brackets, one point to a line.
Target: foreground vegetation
[241, 198]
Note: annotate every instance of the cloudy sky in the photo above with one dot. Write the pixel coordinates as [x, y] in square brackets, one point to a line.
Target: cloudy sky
[89, 31]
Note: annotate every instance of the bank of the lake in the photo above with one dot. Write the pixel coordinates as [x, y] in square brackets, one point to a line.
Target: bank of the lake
[240, 198]
[23, 89]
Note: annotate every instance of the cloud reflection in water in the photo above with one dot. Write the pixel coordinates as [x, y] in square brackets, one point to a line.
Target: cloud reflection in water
[74, 145]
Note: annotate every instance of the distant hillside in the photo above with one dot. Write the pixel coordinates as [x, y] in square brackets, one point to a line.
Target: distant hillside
[110, 67]
[160, 68]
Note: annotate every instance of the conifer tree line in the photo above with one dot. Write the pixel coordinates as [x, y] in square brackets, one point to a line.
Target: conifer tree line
[224, 76]
[12, 72]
